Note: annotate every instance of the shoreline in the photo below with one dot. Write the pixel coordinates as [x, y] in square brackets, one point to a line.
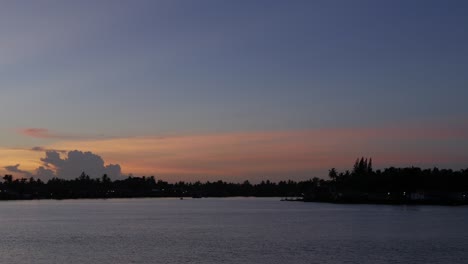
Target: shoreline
[412, 203]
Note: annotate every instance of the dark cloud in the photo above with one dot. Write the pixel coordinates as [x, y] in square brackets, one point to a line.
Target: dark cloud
[44, 173]
[53, 158]
[38, 149]
[15, 169]
[42, 149]
[69, 167]
[75, 163]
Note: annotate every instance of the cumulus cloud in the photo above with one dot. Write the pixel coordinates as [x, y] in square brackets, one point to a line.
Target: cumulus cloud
[74, 164]
[45, 173]
[70, 166]
[15, 169]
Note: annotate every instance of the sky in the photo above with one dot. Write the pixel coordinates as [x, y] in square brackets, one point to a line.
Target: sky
[231, 90]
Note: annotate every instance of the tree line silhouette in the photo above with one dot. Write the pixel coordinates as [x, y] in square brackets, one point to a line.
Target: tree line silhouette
[362, 184]
[395, 185]
[86, 187]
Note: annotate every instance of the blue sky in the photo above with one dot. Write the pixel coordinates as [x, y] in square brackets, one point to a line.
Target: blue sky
[123, 69]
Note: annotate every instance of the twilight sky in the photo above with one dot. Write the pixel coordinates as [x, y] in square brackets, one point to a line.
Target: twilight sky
[232, 90]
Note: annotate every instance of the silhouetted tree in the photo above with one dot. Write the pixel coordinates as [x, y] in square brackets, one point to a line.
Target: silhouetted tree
[8, 178]
[333, 174]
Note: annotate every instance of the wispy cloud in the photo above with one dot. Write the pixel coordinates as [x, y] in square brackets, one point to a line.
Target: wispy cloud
[43, 149]
[15, 169]
[284, 154]
[47, 134]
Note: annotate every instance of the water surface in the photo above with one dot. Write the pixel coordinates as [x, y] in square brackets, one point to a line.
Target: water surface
[229, 230]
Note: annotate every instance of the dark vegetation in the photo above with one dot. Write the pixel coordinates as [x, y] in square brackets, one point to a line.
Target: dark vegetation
[393, 186]
[361, 185]
[87, 187]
